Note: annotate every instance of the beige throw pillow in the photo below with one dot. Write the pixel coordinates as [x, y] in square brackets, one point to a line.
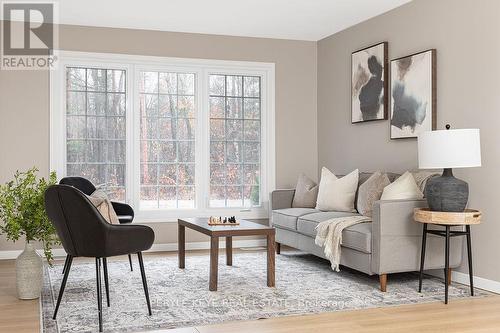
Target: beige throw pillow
[306, 193]
[101, 201]
[403, 188]
[371, 191]
[337, 194]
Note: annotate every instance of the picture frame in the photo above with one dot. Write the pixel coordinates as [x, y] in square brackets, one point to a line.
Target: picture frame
[369, 83]
[413, 93]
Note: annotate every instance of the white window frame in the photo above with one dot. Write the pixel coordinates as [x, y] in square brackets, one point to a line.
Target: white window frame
[202, 68]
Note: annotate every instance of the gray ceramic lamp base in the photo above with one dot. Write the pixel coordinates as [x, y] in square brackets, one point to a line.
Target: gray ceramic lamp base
[447, 193]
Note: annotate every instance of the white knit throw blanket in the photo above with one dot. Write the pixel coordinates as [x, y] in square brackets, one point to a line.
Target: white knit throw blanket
[329, 235]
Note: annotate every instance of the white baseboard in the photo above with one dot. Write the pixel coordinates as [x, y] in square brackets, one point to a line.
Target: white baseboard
[463, 278]
[155, 248]
[479, 282]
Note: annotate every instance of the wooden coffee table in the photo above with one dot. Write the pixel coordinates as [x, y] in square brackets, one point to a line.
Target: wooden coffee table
[245, 228]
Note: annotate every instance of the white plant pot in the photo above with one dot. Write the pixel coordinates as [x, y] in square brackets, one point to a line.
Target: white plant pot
[29, 273]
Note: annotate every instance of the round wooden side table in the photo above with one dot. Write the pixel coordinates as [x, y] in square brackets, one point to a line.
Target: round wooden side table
[447, 220]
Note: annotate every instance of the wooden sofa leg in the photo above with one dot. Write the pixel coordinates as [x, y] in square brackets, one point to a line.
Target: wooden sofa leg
[383, 282]
[278, 248]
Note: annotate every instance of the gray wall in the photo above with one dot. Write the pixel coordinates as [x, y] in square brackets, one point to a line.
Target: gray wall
[24, 98]
[466, 34]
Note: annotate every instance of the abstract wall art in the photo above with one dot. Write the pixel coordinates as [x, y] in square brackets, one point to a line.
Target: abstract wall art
[413, 94]
[369, 83]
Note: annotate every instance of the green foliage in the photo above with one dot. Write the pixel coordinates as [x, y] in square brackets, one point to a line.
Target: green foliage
[22, 210]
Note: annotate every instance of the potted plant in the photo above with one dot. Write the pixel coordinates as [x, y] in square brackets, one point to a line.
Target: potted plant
[22, 215]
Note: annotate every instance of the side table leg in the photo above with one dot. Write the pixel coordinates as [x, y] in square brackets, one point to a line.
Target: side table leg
[422, 257]
[469, 254]
[446, 263]
[214, 263]
[181, 243]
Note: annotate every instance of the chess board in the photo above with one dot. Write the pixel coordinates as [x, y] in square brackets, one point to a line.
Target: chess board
[215, 221]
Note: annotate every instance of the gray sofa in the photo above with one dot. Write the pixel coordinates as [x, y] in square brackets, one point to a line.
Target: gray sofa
[389, 244]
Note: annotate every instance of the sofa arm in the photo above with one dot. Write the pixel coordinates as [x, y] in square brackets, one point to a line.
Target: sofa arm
[281, 199]
[396, 239]
[395, 217]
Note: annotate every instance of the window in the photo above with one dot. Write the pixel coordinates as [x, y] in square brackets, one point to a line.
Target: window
[168, 115]
[173, 137]
[234, 140]
[95, 127]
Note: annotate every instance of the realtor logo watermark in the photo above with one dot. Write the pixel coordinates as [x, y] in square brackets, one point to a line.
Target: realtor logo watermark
[29, 35]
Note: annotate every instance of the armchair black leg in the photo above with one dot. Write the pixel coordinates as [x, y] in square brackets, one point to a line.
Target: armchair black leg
[69, 260]
[144, 282]
[99, 291]
[130, 262]
[106, 281]
[65, 263]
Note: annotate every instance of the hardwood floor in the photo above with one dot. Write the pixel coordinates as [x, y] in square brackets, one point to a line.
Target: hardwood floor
[465, 315]
[15, 315]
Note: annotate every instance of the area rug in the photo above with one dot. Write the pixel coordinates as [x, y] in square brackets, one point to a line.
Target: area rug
[180, 298]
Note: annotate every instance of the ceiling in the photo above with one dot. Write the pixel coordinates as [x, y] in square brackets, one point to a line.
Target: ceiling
[288, 19]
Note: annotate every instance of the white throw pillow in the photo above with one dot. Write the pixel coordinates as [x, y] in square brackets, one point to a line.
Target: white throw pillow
[403, 188]
[337, 194]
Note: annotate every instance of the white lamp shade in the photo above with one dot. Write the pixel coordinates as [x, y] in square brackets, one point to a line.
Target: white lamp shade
[458, 148]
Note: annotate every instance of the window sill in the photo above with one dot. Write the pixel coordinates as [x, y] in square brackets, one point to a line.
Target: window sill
[172, 216]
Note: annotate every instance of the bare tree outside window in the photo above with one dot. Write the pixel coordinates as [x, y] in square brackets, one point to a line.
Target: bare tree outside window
[235, 140]
[167, 133]
[96, 127]
[161, 144]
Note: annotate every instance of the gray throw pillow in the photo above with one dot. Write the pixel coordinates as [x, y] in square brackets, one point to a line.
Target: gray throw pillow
[371, 191]
[306, 193]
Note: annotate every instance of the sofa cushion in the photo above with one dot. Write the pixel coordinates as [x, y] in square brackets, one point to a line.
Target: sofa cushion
[357, 237]
[287, 218]
[319, 216]
[306, 224]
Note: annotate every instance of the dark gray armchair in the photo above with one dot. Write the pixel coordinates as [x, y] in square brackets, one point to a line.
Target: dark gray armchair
[85, 233]
[124, 212]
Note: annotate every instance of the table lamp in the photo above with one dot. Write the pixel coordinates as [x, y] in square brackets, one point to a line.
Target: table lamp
[447, 149]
